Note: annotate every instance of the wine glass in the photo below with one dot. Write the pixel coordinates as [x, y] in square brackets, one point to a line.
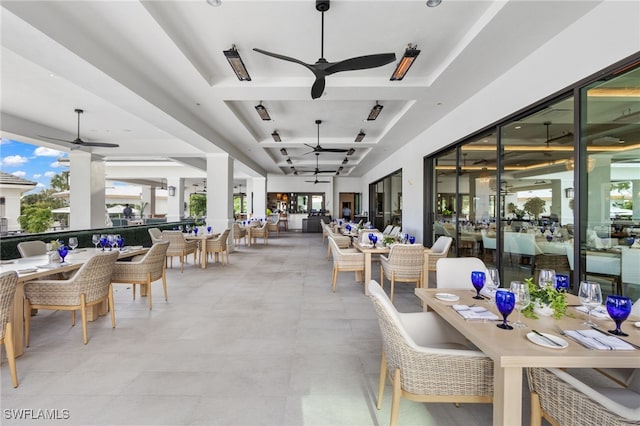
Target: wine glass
[195, 230]
[493, 283]
[619, 308]
[188, 229]
[95, 239]
[370, 236]
[374, 239]
[120, 242]
[103, 241]
[505, 302]
[523, 299]
[73, 242]
[412, 239]
[63, 251]
[590, 297]
[110, 240]
[547, 278]
[208, 229]
[562, 282]
[180, 228]
[477, 279]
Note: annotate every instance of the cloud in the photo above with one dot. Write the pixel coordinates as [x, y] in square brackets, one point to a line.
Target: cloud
[19, 173]
[50, 174]
[41, 151]
[37, 176]
[4, 141]
[55, 164]
[14, 160]
[40, 185]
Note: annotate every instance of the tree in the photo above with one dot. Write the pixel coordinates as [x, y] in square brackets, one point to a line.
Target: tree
[197, 205]
[35, 219]
[535, 206]
[60, 182]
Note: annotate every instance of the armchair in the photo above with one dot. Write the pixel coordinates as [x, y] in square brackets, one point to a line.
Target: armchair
[219, 245]
[178, 246]
[438, 250]
[32, 248]
[345, 260]
[8, 282]
[155, 234]
[239, 234]
[405, 263]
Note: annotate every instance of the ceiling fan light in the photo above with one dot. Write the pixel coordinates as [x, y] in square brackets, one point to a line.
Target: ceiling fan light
[276, 137]
[433, 3]
[289, 161]
[340, 168]
[262, 112]
[351, 151]
[345, 161]
[238, 67]
[283, 151]
[410, 55]
[360, 136]
[375, 112]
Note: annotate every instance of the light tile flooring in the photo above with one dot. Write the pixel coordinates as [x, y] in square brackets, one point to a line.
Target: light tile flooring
[262, 341]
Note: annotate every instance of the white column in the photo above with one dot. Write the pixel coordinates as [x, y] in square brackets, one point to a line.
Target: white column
[635, 197]
[148, 196]
[175, 204]
[86, 193]
[259, 191]
[219, 192]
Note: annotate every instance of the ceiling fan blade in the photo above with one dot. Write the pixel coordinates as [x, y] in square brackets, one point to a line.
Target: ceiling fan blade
[100, 144]
[361, 63]
[285, 58]
[56, 139]
[325, 171]
[318, 86]
[333, 150]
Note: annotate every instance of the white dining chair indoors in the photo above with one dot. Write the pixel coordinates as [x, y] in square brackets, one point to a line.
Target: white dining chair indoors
[563, 399]
[438, 250]
[455, 272]
[427, 359]
[8, 283]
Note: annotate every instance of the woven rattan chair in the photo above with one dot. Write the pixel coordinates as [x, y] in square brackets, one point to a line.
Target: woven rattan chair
[8, 282]
[219, 245]
[346, 260]
[151, 267]
[427, 359]
[259, 232]
[32, 248]
[89, 286]
[273, 224]
[455, 272]
[180, 247]
[155, 234]
[438, 250]
[239, 234]
[405, 263]
[562, 399]
[341, 240]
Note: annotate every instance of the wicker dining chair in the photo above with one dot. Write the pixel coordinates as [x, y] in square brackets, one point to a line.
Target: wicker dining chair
[273, 224]
[341, 240]
[151, 267]
[427, 359]
[89, 286]
[259, 232]
[345, 260]
[239, 234]
[405, 263]
[32, 248]
[562, 399]
[438, 250]
[219, 245]
[155, 234]
[180, 247]
[8, 282]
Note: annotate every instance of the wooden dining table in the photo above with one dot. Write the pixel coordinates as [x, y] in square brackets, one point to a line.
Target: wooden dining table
[369, 250]
[202, 242]
[511, 350]
[34, 267]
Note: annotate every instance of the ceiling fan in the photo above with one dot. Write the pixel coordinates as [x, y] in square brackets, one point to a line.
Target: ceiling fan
[78, 141]
[323, 68]
[318, 181]
[317, 170]
[317, 149]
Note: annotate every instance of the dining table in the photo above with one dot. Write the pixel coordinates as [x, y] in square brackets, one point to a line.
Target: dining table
[514, 350]
[369, 250]
[201, 238]
[35, 267]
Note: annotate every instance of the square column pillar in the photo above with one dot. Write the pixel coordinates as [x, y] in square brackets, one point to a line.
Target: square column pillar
[219, 192]
[175, 204]
[259, 191]
[148, 196]
[86, 191]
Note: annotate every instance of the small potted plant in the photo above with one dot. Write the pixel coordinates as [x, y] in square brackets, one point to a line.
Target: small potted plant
[545, 301]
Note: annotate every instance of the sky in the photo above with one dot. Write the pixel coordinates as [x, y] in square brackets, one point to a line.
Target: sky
[31, 162]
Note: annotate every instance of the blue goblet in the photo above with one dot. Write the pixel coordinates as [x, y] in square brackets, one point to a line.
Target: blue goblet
[370, 235]
[412, 239]
[195, 230]
[619, 308]
[120, 242]
[374, 239]
[562, 282]
[477, 279]
[629, 241]
[505, 302]
[208, 229]
[104, 242]
[64, 250]
[549, 237]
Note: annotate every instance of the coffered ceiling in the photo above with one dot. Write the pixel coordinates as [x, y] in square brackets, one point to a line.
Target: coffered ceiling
[151, 75]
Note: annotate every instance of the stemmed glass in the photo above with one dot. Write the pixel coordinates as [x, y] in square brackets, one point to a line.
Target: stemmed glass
[110, 241]
[590, 297]
[494, 280]
[120, 241]
[562, 282]
[477, 279]
[619, 308]
[195, 230]
[547, 278]
[95, 239]
[188, 229]
[412, 239]
[104, 241]
[505, 302]
[374, 239]
[523, 299]
[208, 229]
[63, 251]
[73, 242]
[370, 236]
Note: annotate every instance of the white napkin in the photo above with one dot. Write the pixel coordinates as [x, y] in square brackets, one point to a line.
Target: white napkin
[474, 312]
[488, 293]
[599, 312]
[596, 340]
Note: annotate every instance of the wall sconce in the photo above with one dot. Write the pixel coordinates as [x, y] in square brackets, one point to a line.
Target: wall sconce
[568, 193]
[172, 191]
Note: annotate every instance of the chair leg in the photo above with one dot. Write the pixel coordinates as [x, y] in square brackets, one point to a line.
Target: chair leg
[11, 355]
[164, 285]
[134, 290]
[381, 278]
[383, 379]
[334, 278]
[112, 306]
[393, 285]
[83, 313]
[536, 411]
[27, 321]
[182, 263]
[149, 298]
[395, 399]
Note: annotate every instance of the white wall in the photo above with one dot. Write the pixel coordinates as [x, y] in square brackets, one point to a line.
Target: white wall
[609, 33]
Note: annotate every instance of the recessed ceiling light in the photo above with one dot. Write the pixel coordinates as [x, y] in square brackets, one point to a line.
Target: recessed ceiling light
[216, 3]
[433, 3]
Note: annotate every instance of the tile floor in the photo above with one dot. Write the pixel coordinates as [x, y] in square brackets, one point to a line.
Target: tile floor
[262, 341]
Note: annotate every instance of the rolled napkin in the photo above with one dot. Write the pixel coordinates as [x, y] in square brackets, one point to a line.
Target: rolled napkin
[596, 340]
[599, 312]
[474, 312]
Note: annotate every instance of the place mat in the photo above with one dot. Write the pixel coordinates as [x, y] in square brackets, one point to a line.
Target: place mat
[474, 312]
[599, 312]
[595, 340]
[27, 271]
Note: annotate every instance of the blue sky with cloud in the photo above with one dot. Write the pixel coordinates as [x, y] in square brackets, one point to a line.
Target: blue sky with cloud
[31, 162]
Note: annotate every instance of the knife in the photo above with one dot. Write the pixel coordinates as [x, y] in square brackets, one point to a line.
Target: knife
[553, 342]
[611, 334]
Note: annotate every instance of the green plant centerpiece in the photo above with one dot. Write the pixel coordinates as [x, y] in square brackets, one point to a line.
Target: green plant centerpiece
[389, 240]
[545, 299]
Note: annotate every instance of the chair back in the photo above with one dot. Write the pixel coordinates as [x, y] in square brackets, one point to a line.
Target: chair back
[455, 272]
[175, 238]
[8, 282]
[487, 241]
[155, 234]
[154, 260]
[394, 232]
[94, 277]
[387, 230]
[32, 248]
[441, 245]
[406, 260]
